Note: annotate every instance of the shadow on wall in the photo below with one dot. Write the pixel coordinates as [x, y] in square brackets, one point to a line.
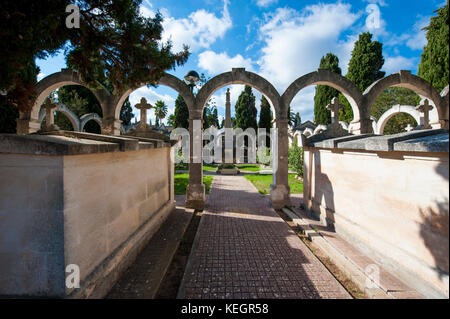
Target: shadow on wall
[435, 229]
[325, 190]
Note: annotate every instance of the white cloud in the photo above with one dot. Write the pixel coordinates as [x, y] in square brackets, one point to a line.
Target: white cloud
[265, 3]
[199, 30]
[295, 41]
[397, 63]
[40, 76]
[418, 39]
[216, 63]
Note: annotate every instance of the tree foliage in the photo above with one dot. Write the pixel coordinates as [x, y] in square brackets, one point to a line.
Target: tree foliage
[390, 97]
[295, 158]
[114, 41]
[297, 119]
[181, 113]
[434, 64]
[364, 68]
[325, 93]
[160, 111]
[246, 112]
[265, 118]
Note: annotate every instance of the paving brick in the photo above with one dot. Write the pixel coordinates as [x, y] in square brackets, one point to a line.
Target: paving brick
[245, 242]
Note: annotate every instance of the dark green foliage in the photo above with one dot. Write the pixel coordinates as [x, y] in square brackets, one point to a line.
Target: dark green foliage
[117, 44]
[325, 93]
[9, 110]
[160, 111]
[126, 113]
[181, 113]
[297, 120]
[390, 97]
[434, 65]
[363, 69]
[246, 111]
[265, 118]
[171, 120]
[295, 158]
[210, 117]
[265, 114]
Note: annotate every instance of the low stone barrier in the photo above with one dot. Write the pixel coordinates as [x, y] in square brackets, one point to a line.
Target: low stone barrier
[71, 200]
[389, 196]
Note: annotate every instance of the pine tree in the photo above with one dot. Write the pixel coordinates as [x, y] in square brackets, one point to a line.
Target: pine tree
[246, 111]
[126, 112]
[434, 65]
[181, 113]
[325, 93]
[363, 69]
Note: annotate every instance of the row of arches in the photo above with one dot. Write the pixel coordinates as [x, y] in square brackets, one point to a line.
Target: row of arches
[360, 102]
[78, 124]
[280, 194]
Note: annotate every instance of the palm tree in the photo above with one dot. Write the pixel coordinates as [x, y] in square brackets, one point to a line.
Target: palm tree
[160, 111]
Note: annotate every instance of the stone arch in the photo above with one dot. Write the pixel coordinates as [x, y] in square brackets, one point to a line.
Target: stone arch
[396, 109]
[74, 120]
[56, 80]
[88, 117]
[319, 129]
[167, 80]
[326, 77]
[308, 132]
[409, 81]
[239, 76]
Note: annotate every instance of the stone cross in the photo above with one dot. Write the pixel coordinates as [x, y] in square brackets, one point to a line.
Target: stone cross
[425, 108]
[50, 108]
[334, 107]
[143, 107]
[409, 128]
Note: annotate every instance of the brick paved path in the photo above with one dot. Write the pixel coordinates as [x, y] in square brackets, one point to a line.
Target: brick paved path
[244, 249]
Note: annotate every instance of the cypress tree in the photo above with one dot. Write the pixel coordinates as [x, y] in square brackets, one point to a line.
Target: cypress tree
[325, 93]
[246, 111]
[363, 69]
[434, 64]
[181, 113]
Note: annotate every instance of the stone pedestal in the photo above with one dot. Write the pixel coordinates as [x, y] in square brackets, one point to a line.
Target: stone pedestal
[196, 196]
[280, 196]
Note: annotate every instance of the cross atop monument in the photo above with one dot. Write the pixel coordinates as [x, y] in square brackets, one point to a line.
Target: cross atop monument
[334, 107]
[425, 108]
[143, 106]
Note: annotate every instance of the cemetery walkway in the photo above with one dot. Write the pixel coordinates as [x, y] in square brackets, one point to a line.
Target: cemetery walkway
[244, 249]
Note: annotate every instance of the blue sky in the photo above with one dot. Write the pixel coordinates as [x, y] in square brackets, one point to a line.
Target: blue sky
[280, 40]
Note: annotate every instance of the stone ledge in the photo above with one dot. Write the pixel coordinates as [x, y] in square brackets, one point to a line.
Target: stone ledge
[416, 141]
[74, 143]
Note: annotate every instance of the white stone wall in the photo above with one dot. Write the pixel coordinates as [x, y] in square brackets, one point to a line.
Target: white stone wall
[393, 204]
[92, 210]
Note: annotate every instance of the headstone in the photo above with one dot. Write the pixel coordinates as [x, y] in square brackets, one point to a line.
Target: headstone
[425, 108]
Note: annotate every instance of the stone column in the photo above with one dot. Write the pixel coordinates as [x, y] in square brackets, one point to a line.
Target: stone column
[229, 136]
[280, 190]
[50, 116]
[195, 193]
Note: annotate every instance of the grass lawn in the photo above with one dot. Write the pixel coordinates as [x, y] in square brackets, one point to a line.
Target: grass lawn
[182, 181]
[262, 183]
[248, 167]
[209, 167]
